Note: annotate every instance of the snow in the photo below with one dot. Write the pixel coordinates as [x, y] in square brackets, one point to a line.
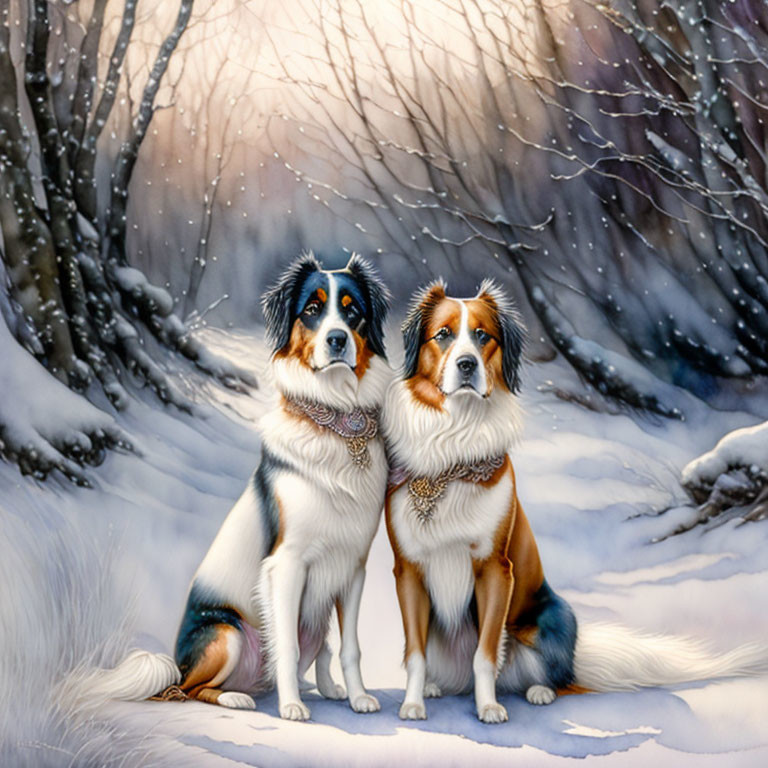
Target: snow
[636, 375]
[746, 447]
[134, 281]
[41, 416]
[88, 573]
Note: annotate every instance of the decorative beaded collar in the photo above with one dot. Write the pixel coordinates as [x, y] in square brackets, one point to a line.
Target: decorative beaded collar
[357, 426]
[425, 490]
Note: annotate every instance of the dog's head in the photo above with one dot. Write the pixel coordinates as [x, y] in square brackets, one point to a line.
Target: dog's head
[326, 319]
[461, 347]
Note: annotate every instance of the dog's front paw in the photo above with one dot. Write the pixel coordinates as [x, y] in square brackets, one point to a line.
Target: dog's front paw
[334, 691]
[492, 713]
[294, 710]
[540, 694]
[432, 691]
[236, 700]
[413, 710]
[365, 703]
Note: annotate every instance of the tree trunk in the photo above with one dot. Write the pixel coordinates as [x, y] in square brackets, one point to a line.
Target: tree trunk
[84, 315]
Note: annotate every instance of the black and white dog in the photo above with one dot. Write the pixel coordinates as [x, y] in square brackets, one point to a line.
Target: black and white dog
[296, 542]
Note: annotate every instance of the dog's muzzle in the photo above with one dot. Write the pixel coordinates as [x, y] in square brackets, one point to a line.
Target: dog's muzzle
[464, 374]
[337, 344]
[467, 365]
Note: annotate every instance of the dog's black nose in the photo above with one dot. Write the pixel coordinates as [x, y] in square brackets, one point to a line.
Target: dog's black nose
[467, 365]
[336, 341]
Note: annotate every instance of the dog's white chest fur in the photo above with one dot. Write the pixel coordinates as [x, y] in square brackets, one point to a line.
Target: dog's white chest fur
[462, 527]
[427, 441]
[331, 511]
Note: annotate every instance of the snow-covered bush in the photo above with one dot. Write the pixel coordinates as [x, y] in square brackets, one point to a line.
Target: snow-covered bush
[733, 475]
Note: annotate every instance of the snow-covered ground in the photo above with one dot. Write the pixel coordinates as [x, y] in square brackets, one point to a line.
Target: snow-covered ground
[121, 555]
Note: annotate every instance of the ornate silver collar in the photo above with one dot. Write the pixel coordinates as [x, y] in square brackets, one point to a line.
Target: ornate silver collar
[425, 490]
[357, 426]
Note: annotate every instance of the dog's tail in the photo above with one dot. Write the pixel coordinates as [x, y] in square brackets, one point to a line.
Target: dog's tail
[610, 657]
[139, 676]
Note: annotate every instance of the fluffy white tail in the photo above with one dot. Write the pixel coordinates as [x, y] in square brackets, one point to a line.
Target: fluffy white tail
[615, 658]
[140, 675]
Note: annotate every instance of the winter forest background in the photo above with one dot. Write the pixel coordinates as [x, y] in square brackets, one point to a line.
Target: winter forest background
[161, 162]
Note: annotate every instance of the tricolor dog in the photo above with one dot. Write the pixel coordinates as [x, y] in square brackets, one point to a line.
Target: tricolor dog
[476, 608]
[294, 546]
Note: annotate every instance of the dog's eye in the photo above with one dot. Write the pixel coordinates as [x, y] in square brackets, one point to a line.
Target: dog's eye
[443, 334]
[352, 311]
[312, 309]
[482, 337]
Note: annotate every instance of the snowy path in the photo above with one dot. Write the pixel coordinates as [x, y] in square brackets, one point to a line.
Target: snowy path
[582, 476]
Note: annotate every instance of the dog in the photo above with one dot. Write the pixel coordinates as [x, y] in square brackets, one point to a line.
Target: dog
[296, 542]
[476, 607]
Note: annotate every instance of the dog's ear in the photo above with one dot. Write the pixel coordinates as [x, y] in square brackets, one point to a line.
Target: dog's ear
[277, 303]
[376, 295]
[419, 309]
[511, 331]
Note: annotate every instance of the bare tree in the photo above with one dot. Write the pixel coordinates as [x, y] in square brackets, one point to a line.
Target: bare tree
[78, 300]
[609, 157]
[227, 104]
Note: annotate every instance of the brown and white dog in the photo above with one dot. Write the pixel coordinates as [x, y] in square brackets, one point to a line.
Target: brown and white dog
[469, 579]
[474, 600]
